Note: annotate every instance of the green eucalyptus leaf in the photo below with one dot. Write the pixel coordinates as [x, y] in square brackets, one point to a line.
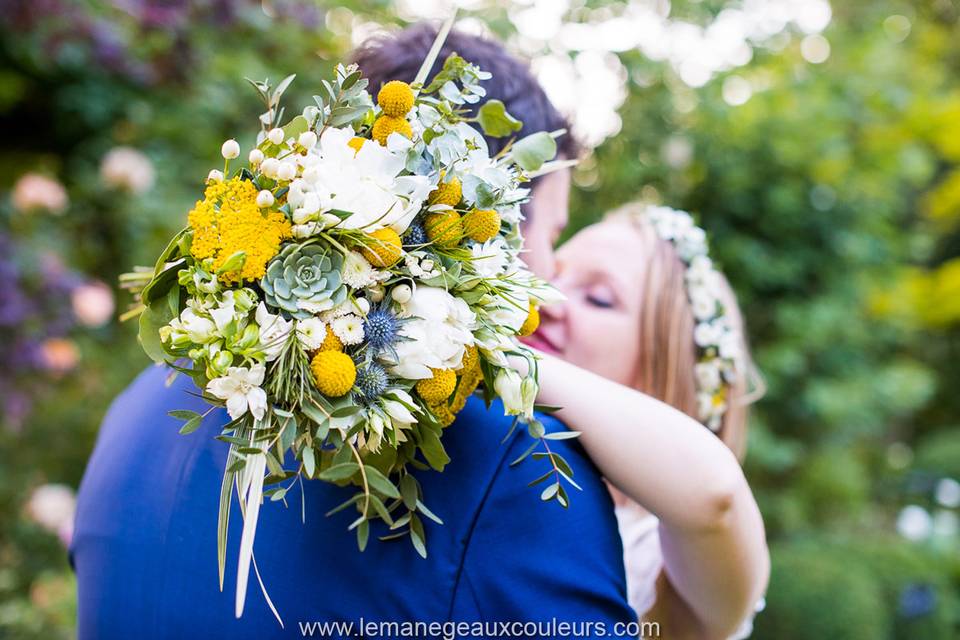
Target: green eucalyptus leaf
[495, 120]
[532, 151]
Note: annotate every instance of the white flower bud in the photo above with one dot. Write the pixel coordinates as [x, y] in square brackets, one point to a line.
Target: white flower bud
[307, 139]
[329, 220]
[362, 305]
[426, 264]
[269, 167]
[402, 293]
[264, 199]
[275, 136]
[255, 157]
[286, 171]
[215, 175]
[376, 293]
[230, 149]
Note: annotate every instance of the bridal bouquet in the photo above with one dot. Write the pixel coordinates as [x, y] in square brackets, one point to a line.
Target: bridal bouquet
[346, 289]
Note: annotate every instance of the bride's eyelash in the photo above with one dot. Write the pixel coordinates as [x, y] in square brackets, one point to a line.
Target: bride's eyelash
[600, 302]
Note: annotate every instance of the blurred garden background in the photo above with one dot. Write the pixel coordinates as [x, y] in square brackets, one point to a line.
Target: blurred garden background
[819, 144]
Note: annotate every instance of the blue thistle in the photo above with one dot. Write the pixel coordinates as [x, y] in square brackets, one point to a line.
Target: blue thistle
[381, 328]
[415, 236]
[372, 381]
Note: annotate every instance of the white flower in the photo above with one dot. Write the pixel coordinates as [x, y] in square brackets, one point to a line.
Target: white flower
[357, 271]
[311, 333]
[307, 139]
[349, 329]
[274, 331]
[255, 157]
[707, 334]
[264, 199]
[518, 394]
[269, 167]
[729, 346]
[275, 135]
[308, 230]
[702, 302]
[194, 327]
[230, 149]
[439, 328]
[707, 374]
[215, 175]
[491, 258]
[366, 183]
[394, 405]
[947, 493]
[241, 389]
[127, 169]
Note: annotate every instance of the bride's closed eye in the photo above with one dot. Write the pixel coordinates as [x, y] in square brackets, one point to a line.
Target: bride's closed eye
[601, 296]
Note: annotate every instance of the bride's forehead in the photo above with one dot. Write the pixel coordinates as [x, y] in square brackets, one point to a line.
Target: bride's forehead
[611, 235]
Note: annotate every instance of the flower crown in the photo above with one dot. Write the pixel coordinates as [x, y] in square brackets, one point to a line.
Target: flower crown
[719, 350]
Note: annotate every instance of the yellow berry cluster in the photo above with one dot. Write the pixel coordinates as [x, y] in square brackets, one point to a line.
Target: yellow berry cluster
[229, 220]
[448, 192]
[395, 100]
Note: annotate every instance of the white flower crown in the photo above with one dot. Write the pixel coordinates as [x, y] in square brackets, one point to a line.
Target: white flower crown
[719, 349]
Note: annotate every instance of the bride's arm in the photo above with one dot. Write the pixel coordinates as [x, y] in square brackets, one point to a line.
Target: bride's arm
[715, 551]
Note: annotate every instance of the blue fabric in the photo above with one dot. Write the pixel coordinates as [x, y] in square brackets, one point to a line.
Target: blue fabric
[145, 549]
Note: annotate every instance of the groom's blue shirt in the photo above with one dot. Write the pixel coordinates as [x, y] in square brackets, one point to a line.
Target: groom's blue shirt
[145, 544]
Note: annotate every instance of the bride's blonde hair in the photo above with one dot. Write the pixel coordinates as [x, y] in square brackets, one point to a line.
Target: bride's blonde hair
[667, 352]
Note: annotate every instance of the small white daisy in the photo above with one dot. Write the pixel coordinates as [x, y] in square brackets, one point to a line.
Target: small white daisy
[311, 333]
[349, 329]
[357, 272]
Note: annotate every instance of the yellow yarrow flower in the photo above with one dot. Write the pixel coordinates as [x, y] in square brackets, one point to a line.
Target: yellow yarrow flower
[229, 220]
[448, 193]
[438, 388]
[531, 323]
[356, 143]
[469, 381]
[481, 224]
[471, 359]
[333, 372]
[444, 228]
[382, 248]
[395, 98]
[385, 125]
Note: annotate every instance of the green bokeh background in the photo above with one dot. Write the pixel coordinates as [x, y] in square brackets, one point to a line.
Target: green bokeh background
[832, 197]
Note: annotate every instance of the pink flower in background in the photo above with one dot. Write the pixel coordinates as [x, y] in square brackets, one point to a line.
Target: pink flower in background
[60, 355]
[52, 506]
[127, 169]
[34, 191]
[93, 304]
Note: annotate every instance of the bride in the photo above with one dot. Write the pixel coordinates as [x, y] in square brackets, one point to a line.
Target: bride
[647, 358]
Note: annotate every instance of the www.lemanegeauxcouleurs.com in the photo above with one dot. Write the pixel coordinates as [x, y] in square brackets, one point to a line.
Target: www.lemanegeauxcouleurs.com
[452, 630]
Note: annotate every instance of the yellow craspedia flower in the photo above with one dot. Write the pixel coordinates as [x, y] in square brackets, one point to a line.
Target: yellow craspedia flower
[445, 416]
[395, 98]
[469, 381]
[331, 342]
[444, 228]
[229, 220]
[448, 193]
[333, 372]
[471, 359]
[438, 388]
[385, 125]
[531, 323]
[356, 143]
[382, 247]
[481, 224]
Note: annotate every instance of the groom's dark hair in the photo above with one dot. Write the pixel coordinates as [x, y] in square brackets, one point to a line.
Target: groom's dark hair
[398, 56]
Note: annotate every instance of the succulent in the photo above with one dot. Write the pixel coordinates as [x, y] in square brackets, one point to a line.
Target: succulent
[305, 279]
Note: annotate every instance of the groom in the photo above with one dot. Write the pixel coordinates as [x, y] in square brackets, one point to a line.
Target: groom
[145, 541]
